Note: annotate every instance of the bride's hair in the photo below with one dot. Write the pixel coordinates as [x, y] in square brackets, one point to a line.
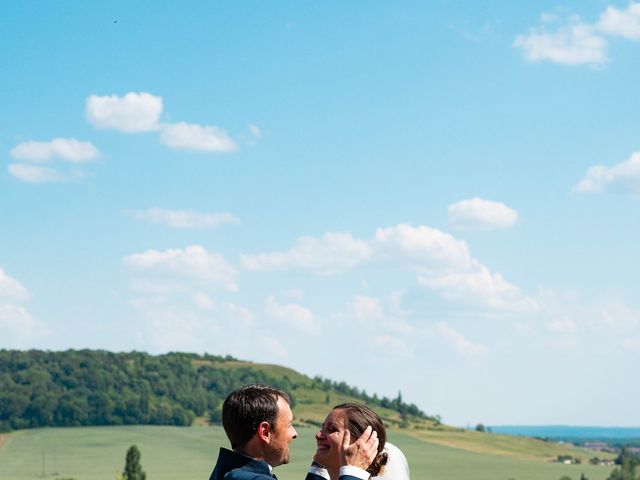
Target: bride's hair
[357, 419]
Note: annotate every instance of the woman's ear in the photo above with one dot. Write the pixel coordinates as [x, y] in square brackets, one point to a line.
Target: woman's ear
[264, 431]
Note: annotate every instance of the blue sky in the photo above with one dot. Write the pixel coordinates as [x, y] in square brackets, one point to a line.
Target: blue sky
[439, 198]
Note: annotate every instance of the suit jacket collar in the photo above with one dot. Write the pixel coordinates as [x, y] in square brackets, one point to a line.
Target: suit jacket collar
[229, 460]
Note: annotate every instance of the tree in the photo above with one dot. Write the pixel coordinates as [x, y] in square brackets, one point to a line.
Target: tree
[132, 468]
[480, 427]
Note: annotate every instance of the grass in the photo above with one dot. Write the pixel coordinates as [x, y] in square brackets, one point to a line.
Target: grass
[522, 448]
[168, 453]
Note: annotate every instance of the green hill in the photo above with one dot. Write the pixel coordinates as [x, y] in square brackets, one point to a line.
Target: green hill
[94, 387]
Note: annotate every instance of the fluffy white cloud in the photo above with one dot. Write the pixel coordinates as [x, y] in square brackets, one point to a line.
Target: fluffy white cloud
[68, 149]
[193, 262]
[293, 315]
[11, 289]
[135, 112]
[444, 264]
[188, 136]
[621, 23]
[481, 287]
[329, 254]
[16, 320]
[16, 323]
[580, 43]
[456, 340]
[35, 174]
[184, 218]
[422, 247]
[481, 214]
[575, 44]
[623, 177]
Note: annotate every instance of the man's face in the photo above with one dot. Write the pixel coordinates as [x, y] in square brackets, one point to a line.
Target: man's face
[281, 435]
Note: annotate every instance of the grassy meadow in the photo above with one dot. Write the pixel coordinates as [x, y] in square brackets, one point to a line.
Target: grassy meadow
[168, 453]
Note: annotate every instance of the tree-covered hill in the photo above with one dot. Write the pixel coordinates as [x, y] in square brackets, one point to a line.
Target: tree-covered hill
[95, 387]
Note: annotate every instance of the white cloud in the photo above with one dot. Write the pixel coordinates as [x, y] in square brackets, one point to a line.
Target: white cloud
[188, 136]
[481, 287]
[456, 340]
[16, 323]
[422, 248]
[444, 264]
[17, 320]
[366, 308]
[11, 289]
[481, 214]
[35, 174]
[329, 254]
[578, 42]
[292, 314]
[184, 218]
[193, 262]
[621, 23]
[564, 324]
[574, 44]
[135, 112]
[614, 315]
[623, 178]
[68, 149]
[376, 316]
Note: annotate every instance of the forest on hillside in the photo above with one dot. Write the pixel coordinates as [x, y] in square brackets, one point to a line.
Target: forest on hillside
[96, 387]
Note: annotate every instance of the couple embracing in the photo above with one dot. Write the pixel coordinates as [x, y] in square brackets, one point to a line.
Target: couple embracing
[259, 424]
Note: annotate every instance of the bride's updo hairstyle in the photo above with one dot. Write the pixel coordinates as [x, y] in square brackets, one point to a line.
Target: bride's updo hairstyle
[357, 418]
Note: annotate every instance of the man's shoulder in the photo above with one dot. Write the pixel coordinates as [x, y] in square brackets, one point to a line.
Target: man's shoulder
[236, 466]
[246, 474]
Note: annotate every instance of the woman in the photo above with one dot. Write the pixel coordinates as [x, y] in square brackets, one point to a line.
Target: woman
[355, 418]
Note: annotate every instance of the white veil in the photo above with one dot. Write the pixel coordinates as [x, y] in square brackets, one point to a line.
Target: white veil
[397, 467]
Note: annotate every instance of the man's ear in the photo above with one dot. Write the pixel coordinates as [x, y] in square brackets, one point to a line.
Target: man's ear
[264, 432]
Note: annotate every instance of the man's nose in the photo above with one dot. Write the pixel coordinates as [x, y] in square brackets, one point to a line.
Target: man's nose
[295, 433]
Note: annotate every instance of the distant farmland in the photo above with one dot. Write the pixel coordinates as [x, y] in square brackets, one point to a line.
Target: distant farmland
[169, 453]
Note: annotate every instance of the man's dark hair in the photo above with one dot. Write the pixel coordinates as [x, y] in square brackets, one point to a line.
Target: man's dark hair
[246, 408]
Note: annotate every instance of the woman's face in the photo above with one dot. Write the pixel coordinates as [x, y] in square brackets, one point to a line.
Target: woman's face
[329, 440]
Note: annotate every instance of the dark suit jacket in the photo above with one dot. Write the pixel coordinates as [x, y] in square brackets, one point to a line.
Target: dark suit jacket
[236, 466]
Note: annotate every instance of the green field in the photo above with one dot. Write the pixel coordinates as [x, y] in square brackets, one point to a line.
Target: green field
[97, 453]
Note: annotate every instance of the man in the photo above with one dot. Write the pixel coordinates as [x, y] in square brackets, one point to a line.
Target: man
[259, 424]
